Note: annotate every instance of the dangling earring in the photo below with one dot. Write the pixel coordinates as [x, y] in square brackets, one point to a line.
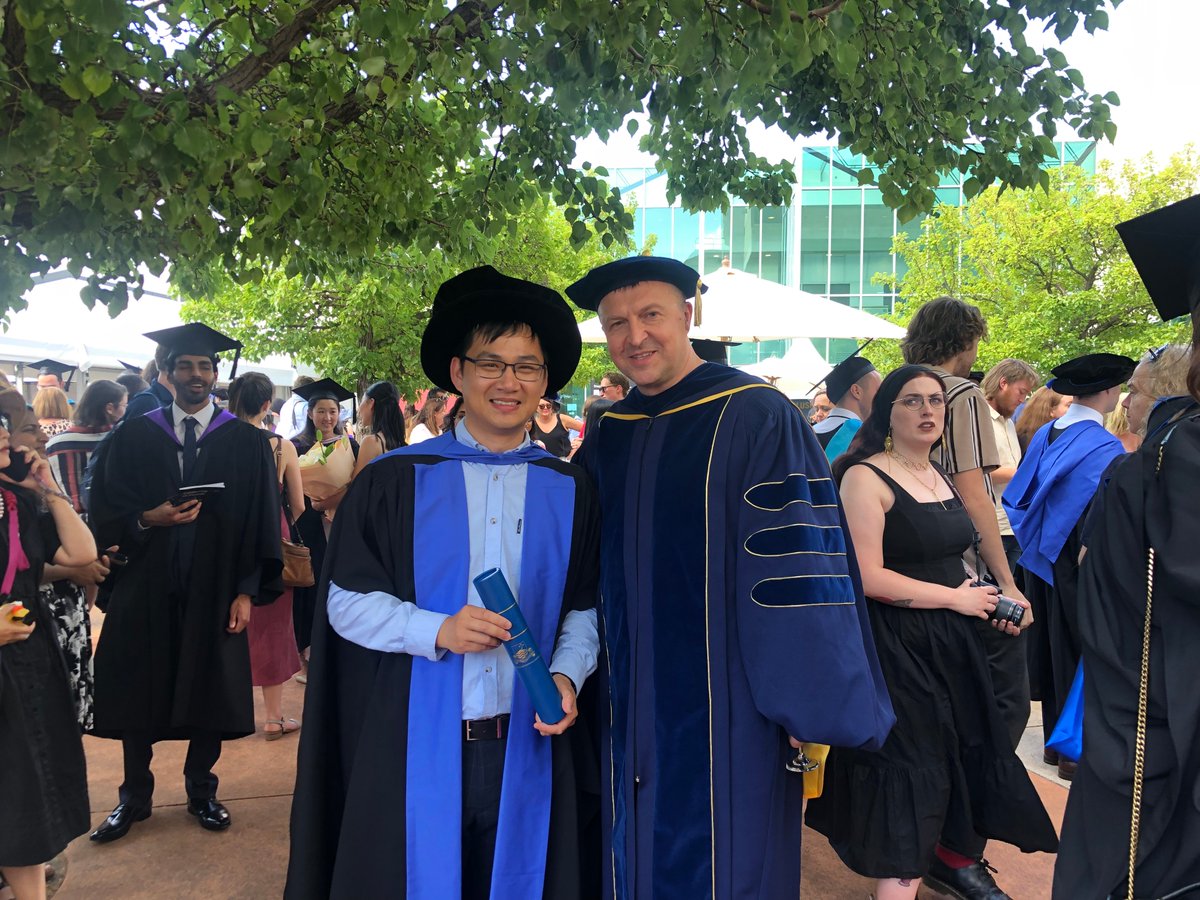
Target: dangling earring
[887, 442]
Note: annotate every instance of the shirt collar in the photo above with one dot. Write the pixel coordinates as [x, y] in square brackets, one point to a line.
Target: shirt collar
[202, 417]
[1077, 412]
[463, 435]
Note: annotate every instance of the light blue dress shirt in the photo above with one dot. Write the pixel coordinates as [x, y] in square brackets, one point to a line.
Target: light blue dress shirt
[495, 507]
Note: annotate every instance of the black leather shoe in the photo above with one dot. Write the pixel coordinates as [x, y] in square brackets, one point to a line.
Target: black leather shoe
[118, 823]
[211, 814]
[1067, 769]
[974, 882]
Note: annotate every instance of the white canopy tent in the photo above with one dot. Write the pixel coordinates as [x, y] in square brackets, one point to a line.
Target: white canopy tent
[743, 308]
[795, 373]
[56, 324]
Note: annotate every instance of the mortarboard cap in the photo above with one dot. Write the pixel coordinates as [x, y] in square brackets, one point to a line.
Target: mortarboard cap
[1165, 248]
[325, 389]
[130, 367]
[1091, 374]
[51, 371]
[593, 287]
[481, 295]
[197, 339]
[713, 351]
[845, 375]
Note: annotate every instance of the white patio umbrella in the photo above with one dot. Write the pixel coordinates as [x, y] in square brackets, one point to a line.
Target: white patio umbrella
[739, 307]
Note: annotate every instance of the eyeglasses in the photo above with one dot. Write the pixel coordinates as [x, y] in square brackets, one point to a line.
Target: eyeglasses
[544, 406]
[1155, 352]
[916, 402]
[605, 387]
[494, 368]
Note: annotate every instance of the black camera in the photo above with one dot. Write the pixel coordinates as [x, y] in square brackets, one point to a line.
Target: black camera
[1007, 610]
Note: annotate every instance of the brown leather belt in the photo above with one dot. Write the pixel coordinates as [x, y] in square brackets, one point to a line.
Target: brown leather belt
[493, 729]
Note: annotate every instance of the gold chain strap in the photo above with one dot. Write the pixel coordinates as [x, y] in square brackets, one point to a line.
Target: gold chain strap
[1139, 745]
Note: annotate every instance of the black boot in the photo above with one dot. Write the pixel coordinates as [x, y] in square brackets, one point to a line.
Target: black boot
[973, 882]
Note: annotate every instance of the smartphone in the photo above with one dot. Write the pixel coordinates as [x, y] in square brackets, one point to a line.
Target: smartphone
[18, 466]
[117, 559]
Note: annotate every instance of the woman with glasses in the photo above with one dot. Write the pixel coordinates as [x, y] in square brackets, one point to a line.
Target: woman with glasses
[947, 775]
[552, 429]
[43, 782]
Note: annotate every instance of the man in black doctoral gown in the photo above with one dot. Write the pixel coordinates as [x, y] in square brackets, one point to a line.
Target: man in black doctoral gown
[422, 771]
[173, 661]
[1149, 503]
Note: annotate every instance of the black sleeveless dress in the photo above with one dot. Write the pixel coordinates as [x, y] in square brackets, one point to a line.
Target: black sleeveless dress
[557, 440]
[947, 772]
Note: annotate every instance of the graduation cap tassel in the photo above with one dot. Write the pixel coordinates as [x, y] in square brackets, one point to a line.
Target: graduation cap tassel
[697, 319]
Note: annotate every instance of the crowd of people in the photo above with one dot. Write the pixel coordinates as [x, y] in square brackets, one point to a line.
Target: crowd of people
[743, 620]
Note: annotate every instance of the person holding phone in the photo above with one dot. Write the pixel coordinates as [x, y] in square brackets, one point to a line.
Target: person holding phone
[173, 662]
[43, 780]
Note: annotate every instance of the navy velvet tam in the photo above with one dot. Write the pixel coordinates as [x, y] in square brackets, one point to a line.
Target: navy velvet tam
[482, 296]
[1091, 374]
[593, 287]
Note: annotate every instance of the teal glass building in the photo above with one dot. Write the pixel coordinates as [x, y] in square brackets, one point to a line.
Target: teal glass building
[832, 240]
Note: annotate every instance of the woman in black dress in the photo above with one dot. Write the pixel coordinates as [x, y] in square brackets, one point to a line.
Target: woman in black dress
[43, 779]
[947, 778]
[324, 415]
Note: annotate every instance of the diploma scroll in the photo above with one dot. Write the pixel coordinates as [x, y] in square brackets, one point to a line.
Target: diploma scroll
[497, 596]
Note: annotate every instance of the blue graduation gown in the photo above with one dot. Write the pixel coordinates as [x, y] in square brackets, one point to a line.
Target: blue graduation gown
[378, 802]
[732, 617]
[1053, 485]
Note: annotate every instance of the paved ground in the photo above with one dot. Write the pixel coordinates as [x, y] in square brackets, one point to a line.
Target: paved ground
[170, 856]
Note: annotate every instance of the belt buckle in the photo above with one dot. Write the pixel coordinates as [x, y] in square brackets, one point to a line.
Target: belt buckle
[472, 723]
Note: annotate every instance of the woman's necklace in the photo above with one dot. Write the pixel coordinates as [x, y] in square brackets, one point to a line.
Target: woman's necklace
[915, 468]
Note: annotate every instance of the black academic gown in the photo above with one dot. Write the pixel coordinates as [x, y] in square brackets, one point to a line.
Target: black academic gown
[732, 616]
[348, 823]
[165, 664]
[1139, 508]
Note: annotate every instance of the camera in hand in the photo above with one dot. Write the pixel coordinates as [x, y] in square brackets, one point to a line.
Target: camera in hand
[18, 466]
[1007, 609]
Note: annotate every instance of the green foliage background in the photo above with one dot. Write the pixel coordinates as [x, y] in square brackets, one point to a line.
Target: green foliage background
[363, 322]
[1046, 267]
[321, 131]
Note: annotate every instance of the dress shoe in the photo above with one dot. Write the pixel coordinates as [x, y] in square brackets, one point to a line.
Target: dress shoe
[211, 814]
[973, 882]
[1050, 757]
[118, 823]
[1066, 769]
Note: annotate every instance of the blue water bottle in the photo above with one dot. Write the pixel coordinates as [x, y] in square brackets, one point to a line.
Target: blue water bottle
[498, 597]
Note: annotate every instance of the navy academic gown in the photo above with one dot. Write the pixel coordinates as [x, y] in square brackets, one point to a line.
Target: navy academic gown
[1046, 502]
[378, 805]
[732, 617]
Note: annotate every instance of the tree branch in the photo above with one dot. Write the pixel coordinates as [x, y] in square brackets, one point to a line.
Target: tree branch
[821, 12]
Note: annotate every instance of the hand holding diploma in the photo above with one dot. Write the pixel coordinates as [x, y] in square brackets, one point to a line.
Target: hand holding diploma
[549, 701]
[570, 712]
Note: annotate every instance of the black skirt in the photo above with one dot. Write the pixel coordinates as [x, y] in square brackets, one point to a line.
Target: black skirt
[43, 778]
[947, 772]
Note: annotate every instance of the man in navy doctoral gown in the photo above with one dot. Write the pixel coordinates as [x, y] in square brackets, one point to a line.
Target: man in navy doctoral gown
[732, 611]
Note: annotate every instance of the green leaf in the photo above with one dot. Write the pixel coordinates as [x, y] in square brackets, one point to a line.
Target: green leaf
[261, 141]
[374, 65]
[98, 80]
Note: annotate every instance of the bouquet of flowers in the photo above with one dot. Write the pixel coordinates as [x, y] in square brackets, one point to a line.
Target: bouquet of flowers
[326, 468]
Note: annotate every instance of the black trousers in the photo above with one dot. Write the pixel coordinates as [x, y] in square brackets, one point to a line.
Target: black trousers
[198, 779]
[1008, 662]
[483, 771]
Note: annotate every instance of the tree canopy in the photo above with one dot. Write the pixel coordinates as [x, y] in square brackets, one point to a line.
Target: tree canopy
[365, 324]
[252, 131]
[1047, 268]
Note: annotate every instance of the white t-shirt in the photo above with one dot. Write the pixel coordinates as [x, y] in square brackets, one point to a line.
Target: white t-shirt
[420, 433]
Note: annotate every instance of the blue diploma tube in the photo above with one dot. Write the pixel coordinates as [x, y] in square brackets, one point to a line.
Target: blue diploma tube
[497, 596]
